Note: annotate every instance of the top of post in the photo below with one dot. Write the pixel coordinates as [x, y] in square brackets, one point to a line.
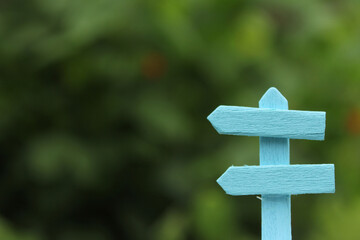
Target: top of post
[273, 99]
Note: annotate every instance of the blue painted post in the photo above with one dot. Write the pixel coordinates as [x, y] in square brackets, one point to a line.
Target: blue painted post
[274, 179]
[275, 209]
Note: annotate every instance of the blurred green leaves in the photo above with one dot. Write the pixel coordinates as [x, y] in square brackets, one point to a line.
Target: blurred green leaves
[253, 36]
[8, 232]
[214, 217]
[54, 158]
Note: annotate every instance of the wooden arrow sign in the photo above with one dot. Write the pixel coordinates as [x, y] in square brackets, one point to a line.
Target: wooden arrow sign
[278, 179]
[275, 179]
[268, 122]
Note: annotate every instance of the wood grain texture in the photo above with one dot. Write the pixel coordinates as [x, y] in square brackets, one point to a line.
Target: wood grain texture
[278, 179]
[274, 179]
[275, 210]
[232, 120]
[276, 217]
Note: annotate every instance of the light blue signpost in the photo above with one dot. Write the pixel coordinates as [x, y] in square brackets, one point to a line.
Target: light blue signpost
[274, 179]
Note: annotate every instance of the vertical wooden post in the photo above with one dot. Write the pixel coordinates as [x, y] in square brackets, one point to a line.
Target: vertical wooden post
[275, 209]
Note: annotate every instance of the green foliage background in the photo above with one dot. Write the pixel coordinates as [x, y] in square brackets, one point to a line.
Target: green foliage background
[103, 130]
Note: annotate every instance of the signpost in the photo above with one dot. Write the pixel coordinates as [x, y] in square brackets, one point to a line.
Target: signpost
[274, 179]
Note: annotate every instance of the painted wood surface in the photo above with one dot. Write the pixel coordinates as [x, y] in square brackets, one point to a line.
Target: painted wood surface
[264, 122]
[275, 210]
[274, 179]
[278, 179]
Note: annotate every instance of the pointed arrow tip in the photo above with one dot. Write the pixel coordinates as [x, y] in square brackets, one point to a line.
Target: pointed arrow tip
[220, 182]
[223, 180]
[211, 115]
[214, 117]
[273, 99]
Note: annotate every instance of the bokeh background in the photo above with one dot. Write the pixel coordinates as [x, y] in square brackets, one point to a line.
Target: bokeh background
[103, 104]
